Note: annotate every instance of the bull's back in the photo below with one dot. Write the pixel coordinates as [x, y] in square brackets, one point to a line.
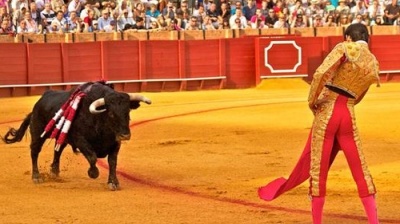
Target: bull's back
[45, 109]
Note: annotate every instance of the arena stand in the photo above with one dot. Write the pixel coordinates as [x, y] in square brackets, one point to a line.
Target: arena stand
[176, 61]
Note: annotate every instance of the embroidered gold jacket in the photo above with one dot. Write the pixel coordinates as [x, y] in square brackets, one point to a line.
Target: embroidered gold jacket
[350, 67]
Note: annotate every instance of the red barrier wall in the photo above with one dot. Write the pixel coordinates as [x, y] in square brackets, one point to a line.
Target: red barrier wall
[171, 65]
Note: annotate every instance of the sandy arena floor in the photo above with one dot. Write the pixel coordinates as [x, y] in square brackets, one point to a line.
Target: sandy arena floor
[199, 157]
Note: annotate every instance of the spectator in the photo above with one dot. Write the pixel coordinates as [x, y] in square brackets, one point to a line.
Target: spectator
[193, 24]
[16, 4]
[391, 13]
[281, 23]
[18, 14]
[153, 11]
[88, 22]
[35, 14]
[169, 12]
[258, 20]
[359, 9]
[125, 19]
[213, 14]
[5, 27]
[344, 20]
[238, 15]
[318, 21]
[200, 13]
[375, 10]
[104, 20]
[73, 23]
[155, 26]
[378, 21]
[4, 7]
[22, 27]
[225, 13]
[75, 5]
[207, 24]
[173, 25]
[237, 24]
[56, 4]
[139, 25]
[40, 4]
[271, 19]
[47, 16]
[359, 19]
[342, 8]
[32, 25]
[299, 21]
[111, 27]
[330, 21]
[329, 8]
[225, 25]
[249, 10]
[58, 25]
[238, 6]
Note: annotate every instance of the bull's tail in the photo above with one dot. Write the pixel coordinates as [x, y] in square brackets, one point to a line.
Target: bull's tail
[14, 135]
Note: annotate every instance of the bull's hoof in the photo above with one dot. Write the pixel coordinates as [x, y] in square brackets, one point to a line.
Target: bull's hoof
[93, 172]
[113, 187]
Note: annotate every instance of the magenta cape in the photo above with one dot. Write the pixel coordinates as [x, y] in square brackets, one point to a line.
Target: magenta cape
[300, 173]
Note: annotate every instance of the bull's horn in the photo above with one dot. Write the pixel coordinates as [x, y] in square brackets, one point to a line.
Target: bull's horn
[137, 97]
[95, 104]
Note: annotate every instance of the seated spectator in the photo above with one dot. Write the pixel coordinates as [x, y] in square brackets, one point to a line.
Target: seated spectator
[5, 27]
[344, 20]
[104, 20]
[271, 19]
[193, 25]
[35, 14]
[238, 15]
[375, 10]
[88, 23]
[153, 11]
[359, 19]
[225, 25]
[73, 23]
[169, 12]
[378, 21]
[237, 6]
[155, 26]
[31, 24]
[318, 21]
[125, 19]
[22, 28]
[75, 5]
[207, 24]
[112, 27]
[392, 12]
[238, 24]
[138, 26]
[257, 20]
[299, 22]
[56, 4]
[58, 25]
[330, 21]
[213, 13]
[173, 25]
[249, 10]
[281, 23]
[225, 13]
[47, 16]
[200, 13]
[343, 8]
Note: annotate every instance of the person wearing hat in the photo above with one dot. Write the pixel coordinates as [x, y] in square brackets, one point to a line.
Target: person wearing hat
[338, 84]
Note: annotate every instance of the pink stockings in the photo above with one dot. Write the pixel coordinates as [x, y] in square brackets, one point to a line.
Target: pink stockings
[317, 206]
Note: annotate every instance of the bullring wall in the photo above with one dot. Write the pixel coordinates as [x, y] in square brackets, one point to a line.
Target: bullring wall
[171, 61]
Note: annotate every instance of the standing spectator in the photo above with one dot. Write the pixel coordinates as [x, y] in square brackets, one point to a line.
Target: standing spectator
[104, 20]
[391, 13]
[47, 16]
[249, 10]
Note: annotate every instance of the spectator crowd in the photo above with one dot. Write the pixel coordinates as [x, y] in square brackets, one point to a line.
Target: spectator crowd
[75, 16]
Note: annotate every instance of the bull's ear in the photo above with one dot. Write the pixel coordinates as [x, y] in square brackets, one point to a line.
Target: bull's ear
[134, 104]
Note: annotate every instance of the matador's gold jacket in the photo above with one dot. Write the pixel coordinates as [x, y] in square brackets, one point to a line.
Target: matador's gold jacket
[349, 67]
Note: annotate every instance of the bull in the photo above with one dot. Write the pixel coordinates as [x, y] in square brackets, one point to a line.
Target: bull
[101, 122]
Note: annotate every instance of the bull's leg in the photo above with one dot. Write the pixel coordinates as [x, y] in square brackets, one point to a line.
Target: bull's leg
[55, 166]
[36, 147]
[91, 157]
[113, 182]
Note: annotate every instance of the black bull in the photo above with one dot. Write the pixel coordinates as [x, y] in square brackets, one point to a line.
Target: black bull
[100, 124]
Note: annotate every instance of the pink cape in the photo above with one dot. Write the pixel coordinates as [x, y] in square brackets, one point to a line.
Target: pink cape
[300, 173]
